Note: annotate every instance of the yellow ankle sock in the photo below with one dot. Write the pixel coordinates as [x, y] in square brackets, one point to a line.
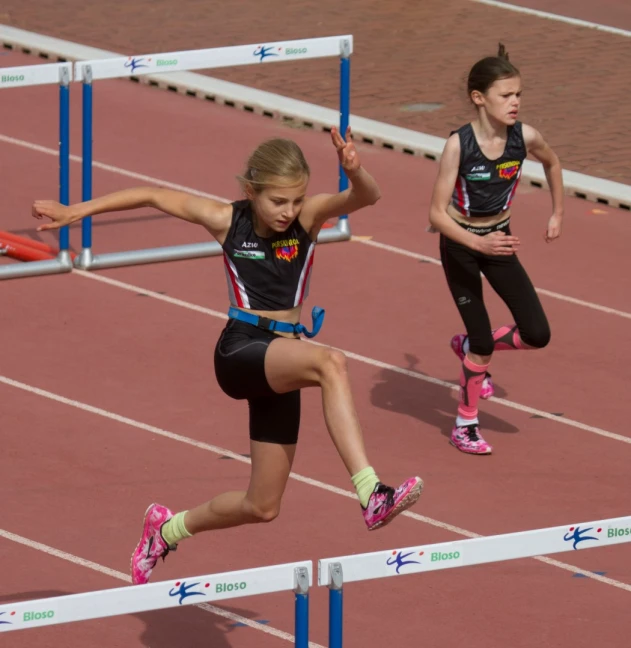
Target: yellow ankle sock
[365, 481]
[174, 530]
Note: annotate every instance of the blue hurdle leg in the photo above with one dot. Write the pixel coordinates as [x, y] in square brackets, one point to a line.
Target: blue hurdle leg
[301, 590]
[336, 630]
[345, 103]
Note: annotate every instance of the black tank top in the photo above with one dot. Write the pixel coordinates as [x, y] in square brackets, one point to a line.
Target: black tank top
[486, 187]
[266, 273]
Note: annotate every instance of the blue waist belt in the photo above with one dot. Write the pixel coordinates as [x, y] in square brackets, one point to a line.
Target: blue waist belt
[317, 315]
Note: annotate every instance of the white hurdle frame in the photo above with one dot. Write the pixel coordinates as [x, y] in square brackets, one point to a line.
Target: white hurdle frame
[89, 71]
[335, 572]
[291, 577]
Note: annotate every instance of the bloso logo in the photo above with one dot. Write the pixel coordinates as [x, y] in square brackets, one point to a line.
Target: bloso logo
[576, 535]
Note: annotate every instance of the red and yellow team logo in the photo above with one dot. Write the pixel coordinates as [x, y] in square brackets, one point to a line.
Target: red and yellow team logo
[508, 170]
[286, 250]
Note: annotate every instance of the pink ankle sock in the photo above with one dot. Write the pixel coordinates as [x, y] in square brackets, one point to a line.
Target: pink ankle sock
[471, 377]
[507, 339]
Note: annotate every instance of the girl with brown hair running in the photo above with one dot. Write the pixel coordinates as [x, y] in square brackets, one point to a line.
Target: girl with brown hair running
[480, 169]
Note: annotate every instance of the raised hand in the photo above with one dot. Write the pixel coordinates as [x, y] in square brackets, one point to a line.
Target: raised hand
[346, 152]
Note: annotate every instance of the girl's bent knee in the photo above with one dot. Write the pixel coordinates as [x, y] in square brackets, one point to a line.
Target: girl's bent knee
[538, 338]
[266, 513]
[333, 363]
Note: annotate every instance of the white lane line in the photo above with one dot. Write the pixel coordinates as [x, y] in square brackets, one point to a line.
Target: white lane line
[550, 16]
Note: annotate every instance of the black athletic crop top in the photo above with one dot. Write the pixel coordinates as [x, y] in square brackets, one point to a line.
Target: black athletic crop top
[486, 187]
[266, 273]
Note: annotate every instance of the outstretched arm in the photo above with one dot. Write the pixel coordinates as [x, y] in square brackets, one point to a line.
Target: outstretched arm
[211, 214]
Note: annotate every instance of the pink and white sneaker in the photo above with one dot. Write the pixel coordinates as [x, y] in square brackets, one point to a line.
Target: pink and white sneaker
[468, 439]
[457, 342]
[151, 546]
[386, 503]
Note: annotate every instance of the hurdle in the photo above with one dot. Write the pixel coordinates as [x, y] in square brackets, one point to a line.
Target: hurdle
[45, 74]
[294, 577]
[133, 66]
[334, 573]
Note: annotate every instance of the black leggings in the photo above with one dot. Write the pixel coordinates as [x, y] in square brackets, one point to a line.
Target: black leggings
[240, 371]
[506, 275]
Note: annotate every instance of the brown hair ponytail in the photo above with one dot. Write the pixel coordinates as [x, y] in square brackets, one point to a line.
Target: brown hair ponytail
[489, 70]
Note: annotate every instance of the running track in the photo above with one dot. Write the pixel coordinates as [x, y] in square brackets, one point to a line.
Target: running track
[137, 344]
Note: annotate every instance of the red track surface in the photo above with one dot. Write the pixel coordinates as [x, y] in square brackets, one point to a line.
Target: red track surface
[79, 482]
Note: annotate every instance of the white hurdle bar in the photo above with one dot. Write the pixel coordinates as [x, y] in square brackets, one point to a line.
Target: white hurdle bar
[147, 64]
[291, 577]
[335, 572]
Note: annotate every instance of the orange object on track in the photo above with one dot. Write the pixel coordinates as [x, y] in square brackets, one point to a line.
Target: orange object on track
[22, 240]
[23, 252]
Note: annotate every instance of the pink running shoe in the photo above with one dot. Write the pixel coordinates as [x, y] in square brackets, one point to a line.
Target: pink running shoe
[457, 342]
[386, 503]
[151, 546]
[468, 439]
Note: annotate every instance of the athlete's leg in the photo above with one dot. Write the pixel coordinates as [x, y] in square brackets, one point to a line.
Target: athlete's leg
[278, 417]
[462, 271]
[511, 282]
[274, 424]
[271, 465]
[293, 365]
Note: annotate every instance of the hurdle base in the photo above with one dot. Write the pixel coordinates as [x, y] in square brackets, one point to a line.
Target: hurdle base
[341, 232]
[59, 265]
[86, 260]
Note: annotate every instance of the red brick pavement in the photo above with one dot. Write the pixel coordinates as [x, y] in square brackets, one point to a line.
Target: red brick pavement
[576, 80]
